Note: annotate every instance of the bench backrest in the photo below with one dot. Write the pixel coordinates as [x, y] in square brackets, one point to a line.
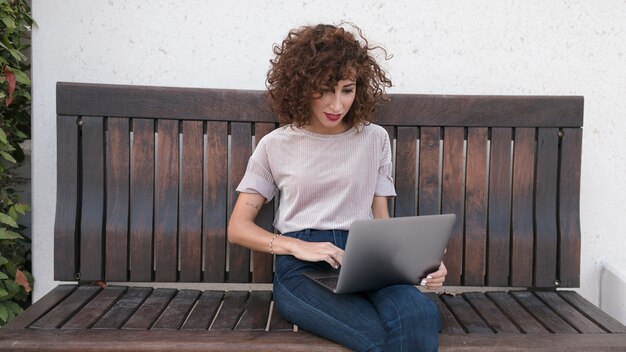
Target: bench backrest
[146, 179]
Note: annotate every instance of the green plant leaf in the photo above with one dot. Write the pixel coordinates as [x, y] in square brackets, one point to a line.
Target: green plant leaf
[3, 276]
[3, 293]
[8, 21]
[22, 208]
[13, 213]
[12, 287]
[8, 157]
[13, 307]
[4, 313]
[5, 219]
[9, 235]
[3, 137]
[3, 260]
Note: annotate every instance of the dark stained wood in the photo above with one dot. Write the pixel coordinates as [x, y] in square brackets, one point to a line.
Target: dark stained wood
[262, 263]
[190, 223]
[232, 308]
[522, 241]
[150, 310]
[476, 207]
[95, 309]
[466, 315]
[569, 208]
[123, 309]
[204, 311]
[166, 202]
[67, 204]
[241, 149]
[41, 307]
[277, 322]
[429, 182]
[142, 200]
[490, 312]
[543, 313]
[593, 312]
[452, 199]
[545, 208]
[176, 312]
[406, 166]
[499, 207]
[569, 313]
[449, 325]
[516, 313]
[117, 179]
[66, 309]
[223, 104]
[257, 311]
[91, 222]
[150, 341]
[214, 202]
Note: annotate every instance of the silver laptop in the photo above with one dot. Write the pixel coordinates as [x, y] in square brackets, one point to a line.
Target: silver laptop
[383, 252]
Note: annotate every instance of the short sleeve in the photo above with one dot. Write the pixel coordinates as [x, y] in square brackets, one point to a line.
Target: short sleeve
[258, 177]
[384, 181]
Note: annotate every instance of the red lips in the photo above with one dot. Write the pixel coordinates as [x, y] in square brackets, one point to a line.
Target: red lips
[332, 117]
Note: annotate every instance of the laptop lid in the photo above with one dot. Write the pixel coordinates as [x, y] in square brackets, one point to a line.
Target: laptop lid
[383, 252]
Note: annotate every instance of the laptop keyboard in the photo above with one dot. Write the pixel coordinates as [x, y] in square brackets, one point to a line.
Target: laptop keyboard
[330, 281]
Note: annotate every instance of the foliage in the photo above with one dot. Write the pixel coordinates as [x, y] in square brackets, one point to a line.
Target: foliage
[15, 102]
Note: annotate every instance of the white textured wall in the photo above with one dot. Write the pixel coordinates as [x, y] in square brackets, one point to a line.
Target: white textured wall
[450, 47]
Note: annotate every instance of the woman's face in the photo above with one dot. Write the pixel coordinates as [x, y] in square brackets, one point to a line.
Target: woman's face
[328, 111]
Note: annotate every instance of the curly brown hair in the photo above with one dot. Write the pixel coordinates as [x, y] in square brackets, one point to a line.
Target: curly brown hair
[314, 58]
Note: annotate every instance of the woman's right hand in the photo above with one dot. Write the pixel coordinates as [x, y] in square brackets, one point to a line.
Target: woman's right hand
[318, 252]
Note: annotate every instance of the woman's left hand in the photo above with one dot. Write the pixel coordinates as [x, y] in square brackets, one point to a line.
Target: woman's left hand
[435, 280]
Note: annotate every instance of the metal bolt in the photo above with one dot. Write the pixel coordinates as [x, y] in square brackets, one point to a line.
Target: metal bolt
[557, 283]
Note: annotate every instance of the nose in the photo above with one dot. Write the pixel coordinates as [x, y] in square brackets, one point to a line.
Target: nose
[335, 103]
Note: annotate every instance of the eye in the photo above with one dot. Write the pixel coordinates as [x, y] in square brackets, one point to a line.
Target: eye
[348, 90]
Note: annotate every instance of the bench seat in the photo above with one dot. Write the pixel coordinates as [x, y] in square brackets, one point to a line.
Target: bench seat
[127, 318]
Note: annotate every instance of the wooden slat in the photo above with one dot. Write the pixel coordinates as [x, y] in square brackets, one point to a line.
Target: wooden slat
[569, 313]
[592, 312]
[476, 207]
[176, 312]
[117, 179]
[257, 311]
[452, 199]
[204, 311]
[92, 216]
[403, 109]
[95, 309]
[150, 310]
[429, 182]
[569, 208]
[123, 309]
[141, 200]
[65, 225]
[469, 319]
[166, 202]
[232, 308]
[517, 313]
[190, 224]
[545, 208]
[499, 207]
[406, 182]
[278, 323]
[490, 313]
[41, 307]
[522, 257]
[449, 325]
[241, 149]
[262, 262]
[543, 313]
[214, 202]
[62, 312]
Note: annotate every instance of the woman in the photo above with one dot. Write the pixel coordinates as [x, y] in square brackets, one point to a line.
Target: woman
[332, 167]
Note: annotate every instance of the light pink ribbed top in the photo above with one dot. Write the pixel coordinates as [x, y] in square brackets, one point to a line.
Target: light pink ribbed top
[325, 181]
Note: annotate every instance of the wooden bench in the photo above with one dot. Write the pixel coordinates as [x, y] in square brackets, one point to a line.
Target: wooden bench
[146, 179]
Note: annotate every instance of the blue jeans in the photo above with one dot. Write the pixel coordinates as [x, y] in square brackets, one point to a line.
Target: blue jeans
[394, 318]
